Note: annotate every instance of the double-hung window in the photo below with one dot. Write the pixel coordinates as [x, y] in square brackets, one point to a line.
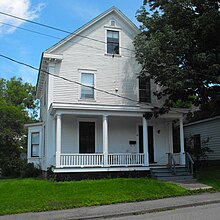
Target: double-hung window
[35, 143]
[112, 42]
[144, 89]
[87, 88]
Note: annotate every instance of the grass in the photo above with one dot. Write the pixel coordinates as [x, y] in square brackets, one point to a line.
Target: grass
[210, 176]
[32, 195]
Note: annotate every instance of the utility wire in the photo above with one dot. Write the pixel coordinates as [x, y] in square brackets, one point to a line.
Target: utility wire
[78, 83]
[59, 38]
[32, 31]
[68, 80]
[59, 29]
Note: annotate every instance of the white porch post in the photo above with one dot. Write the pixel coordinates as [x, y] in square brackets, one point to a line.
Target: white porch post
[58, 139]
[182, 151]
[105, 139]
[145, 142]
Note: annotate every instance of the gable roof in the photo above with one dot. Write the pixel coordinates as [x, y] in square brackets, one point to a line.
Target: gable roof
[203, 121]
[47, 53]
[90, 23]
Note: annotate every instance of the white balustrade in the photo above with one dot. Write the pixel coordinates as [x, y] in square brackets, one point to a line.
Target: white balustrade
[79, 160]
[97, 160]
[125, 159]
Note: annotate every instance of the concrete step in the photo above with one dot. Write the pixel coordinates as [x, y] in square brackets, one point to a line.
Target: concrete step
[182, 174]
[166, 169]
[171, 174]
[175, 178]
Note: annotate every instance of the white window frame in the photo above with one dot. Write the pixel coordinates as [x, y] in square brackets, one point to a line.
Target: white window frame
[81, 71]
[138, 91]
[106, 41]
[30, 132]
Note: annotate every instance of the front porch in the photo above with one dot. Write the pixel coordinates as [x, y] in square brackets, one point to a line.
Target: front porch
[113, 142]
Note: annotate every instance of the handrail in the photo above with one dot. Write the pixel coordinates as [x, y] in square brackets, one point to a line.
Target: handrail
[172, 163]
[189, 162]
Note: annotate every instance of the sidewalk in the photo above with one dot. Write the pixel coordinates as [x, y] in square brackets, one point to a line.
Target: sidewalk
[123, 209]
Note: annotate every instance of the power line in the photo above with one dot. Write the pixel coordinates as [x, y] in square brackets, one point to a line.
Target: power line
[81, 84]
[68, 80]
[32, 31]
[59, 29]
[59, 38]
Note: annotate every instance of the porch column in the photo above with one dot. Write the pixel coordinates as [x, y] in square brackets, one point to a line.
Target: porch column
[105, 139]
[145, 142]
[182, 151]
[58, 139]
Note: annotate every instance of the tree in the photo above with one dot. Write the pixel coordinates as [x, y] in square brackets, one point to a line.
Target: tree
[17, 107]
[179, 48]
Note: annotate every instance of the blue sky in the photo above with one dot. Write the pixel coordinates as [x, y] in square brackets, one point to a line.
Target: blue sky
[65, 14]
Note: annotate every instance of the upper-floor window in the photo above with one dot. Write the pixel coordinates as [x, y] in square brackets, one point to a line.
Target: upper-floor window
[144, 89]
[112, 42]
[35, 143]
[87, 91]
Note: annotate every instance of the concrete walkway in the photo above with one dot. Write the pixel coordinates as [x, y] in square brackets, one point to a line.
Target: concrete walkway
[192, 185]
[123, 209]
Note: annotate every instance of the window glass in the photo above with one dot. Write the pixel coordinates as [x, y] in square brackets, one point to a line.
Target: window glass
[35, 144]
[144, 89]
[113, 42]
[88, 80]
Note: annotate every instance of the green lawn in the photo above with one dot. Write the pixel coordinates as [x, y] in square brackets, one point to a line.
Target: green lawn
[25, 195]
[210, 176]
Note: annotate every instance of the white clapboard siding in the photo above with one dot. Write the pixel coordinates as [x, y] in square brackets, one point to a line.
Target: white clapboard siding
[110, 73]
[207, 129]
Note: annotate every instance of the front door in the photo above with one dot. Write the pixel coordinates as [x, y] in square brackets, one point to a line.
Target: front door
[86, 137]
[150, 142]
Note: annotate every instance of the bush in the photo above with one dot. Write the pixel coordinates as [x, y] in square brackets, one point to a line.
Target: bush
[30, 170]
[18, 168]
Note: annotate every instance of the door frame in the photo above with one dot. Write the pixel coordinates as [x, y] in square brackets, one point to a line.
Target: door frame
[154, 138]
[77, 130]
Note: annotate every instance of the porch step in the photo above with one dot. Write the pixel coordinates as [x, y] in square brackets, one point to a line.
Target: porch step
[165, 174]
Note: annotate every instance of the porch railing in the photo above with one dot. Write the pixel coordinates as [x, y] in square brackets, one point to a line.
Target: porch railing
[126, 159]
[97, 160]
[81, 160]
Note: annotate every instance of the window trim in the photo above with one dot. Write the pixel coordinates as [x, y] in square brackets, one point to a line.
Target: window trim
[88, 71]
[35, 132]
[150, 101]
[106, 40]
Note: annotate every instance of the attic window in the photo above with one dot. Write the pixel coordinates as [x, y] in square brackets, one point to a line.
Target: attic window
[112, 23]
[112, 42]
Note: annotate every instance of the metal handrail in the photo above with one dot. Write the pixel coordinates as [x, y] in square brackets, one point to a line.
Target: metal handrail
[189, 162]
[172, 163]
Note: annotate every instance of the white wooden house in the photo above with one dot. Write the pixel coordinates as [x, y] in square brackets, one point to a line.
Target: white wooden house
[95, 130]
[205, 133]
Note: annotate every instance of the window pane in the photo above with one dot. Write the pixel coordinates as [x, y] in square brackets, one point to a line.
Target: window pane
[144, 90]
[35, 150]
[113, 42]
[35, 138]
[87, 79]
[115, 35]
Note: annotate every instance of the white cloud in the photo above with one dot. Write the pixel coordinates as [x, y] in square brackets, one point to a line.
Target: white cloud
[19, 8]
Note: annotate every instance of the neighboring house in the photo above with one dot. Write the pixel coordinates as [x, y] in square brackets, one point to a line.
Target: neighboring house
[88, 130]
[208, 131]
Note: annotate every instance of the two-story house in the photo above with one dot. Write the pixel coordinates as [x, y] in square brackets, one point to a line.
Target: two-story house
[93, 104]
